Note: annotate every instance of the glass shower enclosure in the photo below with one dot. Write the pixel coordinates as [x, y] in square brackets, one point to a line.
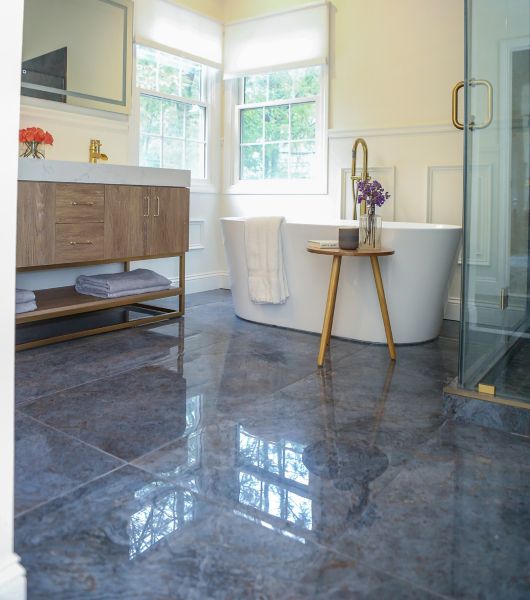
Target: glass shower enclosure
[495, 311]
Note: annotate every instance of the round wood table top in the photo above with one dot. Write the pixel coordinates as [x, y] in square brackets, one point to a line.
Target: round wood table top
[358, 252]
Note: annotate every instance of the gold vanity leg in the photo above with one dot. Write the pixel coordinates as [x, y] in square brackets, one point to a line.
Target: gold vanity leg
[330, 308]
[182, 282]
[382, 303]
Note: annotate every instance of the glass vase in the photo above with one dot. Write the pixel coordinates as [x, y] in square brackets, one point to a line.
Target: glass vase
[370, 226]
[32, 150]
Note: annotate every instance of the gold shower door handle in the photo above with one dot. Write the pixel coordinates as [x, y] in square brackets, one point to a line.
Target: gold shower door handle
[456, 121]
[472, 125]
[489, 88]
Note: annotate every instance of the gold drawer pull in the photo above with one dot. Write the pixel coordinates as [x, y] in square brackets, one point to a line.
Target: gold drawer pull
[157, 213]
[87, 243]
[82, 203]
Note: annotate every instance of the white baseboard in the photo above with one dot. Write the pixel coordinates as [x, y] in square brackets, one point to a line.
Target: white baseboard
[225, 281]
[452, 309]
[204, 282]
[12, 579]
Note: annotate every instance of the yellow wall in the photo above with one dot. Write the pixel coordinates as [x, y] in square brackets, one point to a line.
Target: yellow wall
[393, 62]
[210, 8]
[234, 10]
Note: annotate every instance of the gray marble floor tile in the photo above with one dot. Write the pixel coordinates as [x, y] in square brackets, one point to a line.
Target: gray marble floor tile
[254, 365]
[436, 360]
[125, 415]
[58, 367]
[456, 519]
[49, 463]
[129, 535]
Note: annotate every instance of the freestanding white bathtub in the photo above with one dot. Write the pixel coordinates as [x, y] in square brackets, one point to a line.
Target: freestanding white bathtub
[415, 278]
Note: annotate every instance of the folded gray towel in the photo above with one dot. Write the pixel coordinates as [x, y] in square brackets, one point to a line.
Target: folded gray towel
[115, 283]
[24, 296]
[22, 307]
[94, 291]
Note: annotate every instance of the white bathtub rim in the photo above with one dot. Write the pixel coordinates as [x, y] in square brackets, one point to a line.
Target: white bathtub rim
[386, 224]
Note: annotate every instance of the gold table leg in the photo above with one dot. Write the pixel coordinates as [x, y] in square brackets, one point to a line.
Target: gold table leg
[382, 303]
[330, 308]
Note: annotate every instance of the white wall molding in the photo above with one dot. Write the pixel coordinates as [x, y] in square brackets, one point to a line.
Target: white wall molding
[432, 172]
[452, 309]
[480, 251]
[385, 175]
[197, 234]
[393, 131]
[74, 115]
[204, 282]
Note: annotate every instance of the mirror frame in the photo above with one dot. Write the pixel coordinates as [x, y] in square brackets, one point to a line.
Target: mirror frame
[123, 105]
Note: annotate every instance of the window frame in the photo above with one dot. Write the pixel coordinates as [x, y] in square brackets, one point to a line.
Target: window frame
[234, 90]
[210, 94]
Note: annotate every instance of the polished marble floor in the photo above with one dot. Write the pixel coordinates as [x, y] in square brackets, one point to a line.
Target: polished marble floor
[208, 458]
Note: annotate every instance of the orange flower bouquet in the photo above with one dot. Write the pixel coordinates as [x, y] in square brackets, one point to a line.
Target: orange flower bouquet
[33, 141]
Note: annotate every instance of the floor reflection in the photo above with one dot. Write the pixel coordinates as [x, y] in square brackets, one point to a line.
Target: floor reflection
[273, 478]
[159, 518]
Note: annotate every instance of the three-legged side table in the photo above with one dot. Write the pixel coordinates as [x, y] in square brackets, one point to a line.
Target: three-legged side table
[337, 255]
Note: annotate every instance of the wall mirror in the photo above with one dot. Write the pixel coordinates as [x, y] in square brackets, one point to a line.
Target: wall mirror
[78, 52]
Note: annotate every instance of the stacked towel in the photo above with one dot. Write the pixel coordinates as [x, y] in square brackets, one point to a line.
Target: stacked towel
[116, 285]
[267, 282]
[25, 301]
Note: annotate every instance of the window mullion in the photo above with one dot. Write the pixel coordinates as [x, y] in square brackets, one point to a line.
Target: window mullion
[263, 140]
[281, 102]
[289, 146]
[156, 94]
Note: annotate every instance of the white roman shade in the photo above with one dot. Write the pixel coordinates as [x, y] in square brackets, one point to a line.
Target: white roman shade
[163, 25]
[295, 38]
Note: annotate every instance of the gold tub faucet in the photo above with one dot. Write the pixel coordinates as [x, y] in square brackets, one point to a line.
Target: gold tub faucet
[364, 173]
[95, 153]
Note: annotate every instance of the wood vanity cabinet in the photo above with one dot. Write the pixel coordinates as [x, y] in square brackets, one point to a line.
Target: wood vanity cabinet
[73, 223]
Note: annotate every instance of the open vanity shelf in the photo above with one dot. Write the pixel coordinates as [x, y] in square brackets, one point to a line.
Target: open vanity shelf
[65, 301]
[72, 215]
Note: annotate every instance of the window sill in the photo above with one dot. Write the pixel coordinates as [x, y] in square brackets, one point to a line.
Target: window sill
[270, 188]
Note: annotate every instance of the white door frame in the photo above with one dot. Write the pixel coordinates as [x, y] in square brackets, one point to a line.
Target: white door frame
[12, 574]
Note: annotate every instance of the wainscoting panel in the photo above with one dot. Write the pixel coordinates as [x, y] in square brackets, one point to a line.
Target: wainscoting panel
[197, 234]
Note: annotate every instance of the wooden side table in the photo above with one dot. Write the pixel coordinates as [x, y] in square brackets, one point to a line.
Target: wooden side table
[337, 255]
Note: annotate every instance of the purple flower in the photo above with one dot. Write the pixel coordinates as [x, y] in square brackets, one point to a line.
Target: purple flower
[372, 192]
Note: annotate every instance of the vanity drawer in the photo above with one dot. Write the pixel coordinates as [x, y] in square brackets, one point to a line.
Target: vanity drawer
[79, 203]
[81, 242]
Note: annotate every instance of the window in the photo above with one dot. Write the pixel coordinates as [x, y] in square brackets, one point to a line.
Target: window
[173, 111]
[279, 116]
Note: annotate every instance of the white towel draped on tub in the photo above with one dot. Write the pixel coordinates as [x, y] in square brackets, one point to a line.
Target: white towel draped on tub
[267, 282]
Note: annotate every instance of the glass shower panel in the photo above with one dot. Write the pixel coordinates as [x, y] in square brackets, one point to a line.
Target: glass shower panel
[495, 300]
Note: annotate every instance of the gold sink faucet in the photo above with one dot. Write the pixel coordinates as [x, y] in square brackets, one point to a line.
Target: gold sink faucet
[95, 153]
[364, 173]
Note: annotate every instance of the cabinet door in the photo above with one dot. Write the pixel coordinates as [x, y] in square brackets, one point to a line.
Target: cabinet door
[35, 224]
[168, 224]
[125, 221]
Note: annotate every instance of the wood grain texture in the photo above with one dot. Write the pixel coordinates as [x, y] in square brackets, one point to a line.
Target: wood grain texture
[79, 203]
[168, 224]
[77, 242]
[35, 223]
[125, 223]
[64, 301]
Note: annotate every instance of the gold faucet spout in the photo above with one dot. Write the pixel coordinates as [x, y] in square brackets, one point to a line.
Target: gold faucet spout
[364, 172]
[94, 152]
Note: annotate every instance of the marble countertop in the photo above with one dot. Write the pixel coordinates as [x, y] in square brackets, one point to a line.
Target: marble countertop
[77, 172]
